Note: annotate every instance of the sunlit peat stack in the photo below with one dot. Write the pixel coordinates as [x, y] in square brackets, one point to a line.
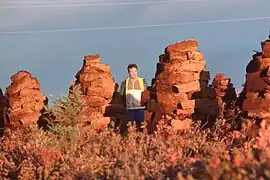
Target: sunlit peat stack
[25, 100]
[225, 93]
[255, 98]
[181, 83]
[98, 92]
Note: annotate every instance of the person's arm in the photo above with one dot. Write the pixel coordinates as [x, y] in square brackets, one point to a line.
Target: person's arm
[122, 88]
[145, 84]
[122, 92]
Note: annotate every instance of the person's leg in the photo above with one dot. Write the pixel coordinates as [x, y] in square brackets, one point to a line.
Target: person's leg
[131, 116]
[1, 127]
[139, 116]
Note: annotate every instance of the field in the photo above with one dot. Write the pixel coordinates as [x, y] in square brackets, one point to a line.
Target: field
[68, 150]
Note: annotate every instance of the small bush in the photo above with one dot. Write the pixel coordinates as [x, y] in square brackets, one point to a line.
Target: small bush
[69, 151]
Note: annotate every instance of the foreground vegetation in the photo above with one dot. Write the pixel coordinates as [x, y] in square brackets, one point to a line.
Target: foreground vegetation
[66, 150]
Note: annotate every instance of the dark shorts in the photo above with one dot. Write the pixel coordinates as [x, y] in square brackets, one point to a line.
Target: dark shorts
[136, 115]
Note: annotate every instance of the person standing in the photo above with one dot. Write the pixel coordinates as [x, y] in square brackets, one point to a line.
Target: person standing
[3, 106]
[131, 89]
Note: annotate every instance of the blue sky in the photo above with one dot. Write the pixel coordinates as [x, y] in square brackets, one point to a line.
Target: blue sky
[54, 58]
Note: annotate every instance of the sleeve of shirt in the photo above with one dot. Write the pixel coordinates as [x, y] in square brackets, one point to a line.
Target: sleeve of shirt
[145, 84]
[122, 88]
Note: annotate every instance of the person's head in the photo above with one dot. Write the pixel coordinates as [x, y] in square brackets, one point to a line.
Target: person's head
[133, 70]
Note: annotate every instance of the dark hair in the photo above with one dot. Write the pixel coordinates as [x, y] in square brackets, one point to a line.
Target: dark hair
[130, 66]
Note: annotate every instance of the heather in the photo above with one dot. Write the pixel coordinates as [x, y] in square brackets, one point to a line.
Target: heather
[67, 149]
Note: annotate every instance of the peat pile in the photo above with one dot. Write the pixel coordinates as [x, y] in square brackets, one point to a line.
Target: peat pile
[99, 92]
[25, 100]
[180, 86]
[225, 94]
[255, 97]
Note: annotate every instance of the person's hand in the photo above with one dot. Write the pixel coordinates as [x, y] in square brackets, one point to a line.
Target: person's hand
[145, 97]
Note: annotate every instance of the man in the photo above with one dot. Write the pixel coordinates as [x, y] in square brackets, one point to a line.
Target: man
[2, 112]
[131, 89]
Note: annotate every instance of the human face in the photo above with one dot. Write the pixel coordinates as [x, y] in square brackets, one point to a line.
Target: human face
[133, 72]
